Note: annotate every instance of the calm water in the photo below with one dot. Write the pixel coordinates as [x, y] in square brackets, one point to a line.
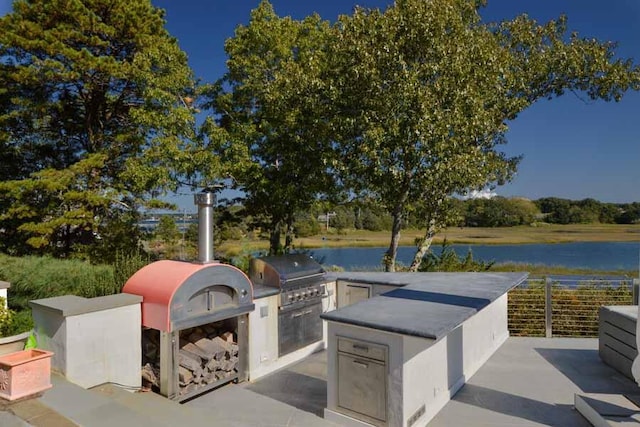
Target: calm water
[599, 256]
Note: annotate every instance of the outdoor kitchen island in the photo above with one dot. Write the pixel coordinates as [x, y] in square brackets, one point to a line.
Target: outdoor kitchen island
[397, 358]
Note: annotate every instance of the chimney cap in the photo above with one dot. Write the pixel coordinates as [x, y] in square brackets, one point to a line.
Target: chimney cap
[206, 198]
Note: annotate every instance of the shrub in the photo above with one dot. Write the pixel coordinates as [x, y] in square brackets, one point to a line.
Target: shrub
[12, 323]
[306, 226]
[6, 316]
[42, 277]
[448, 260]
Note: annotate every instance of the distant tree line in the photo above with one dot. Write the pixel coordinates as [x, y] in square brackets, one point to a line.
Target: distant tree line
[233, 222]
[493, 212]
[563, 211]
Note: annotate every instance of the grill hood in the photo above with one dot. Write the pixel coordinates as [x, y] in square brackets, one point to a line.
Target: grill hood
[286, 271]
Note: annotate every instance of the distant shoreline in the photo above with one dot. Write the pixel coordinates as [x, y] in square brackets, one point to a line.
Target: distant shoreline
[520, 235]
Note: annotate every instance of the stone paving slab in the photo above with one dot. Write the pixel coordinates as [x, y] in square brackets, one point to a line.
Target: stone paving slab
[31, 412]
[7, 419]
[532, 382]
[235, 405]
[90, 409]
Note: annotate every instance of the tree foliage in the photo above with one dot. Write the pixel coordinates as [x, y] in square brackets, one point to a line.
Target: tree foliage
[499, 212]
[425, 91]
[167, 229]
[93, 114]
[271, 102]
[564, 211]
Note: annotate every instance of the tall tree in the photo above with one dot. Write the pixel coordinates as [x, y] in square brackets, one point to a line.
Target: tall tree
[272, 102]
[94, 107]
[425, 91]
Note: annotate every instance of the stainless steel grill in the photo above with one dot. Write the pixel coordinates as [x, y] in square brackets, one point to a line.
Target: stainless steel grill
[302, 284]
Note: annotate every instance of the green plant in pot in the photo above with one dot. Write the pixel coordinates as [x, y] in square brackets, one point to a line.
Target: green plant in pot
[15, 329]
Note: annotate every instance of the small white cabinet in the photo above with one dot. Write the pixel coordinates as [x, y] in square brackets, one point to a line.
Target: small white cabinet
[353, 292]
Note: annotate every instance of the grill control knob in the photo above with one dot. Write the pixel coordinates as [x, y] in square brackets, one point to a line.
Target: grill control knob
[297, 296]
[290, 296]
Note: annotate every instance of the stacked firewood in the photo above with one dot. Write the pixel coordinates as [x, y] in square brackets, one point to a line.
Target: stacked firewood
[150, 358]
[206, 355]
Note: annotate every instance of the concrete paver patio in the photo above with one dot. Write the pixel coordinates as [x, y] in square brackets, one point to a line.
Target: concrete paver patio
[527, 382]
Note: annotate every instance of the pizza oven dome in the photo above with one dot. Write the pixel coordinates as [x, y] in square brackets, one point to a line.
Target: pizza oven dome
[179, 295]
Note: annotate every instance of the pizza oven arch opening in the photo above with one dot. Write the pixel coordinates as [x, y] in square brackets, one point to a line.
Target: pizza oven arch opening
[194, 325]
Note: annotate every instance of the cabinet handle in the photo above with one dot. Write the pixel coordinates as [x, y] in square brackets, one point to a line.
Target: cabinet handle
[361, 347]
[308, 312]
[361, 364]
[297, 315]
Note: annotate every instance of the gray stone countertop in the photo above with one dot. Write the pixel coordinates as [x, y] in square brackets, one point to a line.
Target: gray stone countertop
[261, 291]
[427, 305]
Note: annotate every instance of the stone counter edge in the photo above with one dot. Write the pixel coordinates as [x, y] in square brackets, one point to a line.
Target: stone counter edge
[260, 291]
[72, 305]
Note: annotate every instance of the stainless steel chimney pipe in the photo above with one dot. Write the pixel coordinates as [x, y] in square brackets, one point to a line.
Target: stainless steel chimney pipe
[205, 201]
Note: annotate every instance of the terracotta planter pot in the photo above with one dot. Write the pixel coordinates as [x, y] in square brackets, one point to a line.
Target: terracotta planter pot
[13, 343]
[25, 373]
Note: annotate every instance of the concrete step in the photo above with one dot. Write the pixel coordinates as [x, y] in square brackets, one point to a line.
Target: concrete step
[608, 410]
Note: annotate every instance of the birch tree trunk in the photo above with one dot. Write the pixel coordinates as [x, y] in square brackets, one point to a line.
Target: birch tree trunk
[424, 246]
[434, 212]
[390, 256]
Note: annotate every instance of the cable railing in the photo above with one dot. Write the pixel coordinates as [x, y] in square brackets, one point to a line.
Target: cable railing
[565, 306]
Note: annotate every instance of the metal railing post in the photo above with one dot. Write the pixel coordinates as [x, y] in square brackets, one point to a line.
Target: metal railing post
[634, 289]
[547, 308]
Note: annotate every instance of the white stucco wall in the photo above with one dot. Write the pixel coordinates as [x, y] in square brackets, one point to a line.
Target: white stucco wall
[51, 335]
[94, 341]
[432, 374]
[104, 346]
[263, 336]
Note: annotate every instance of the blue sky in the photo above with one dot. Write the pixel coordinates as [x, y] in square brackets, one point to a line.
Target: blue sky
[571, 149]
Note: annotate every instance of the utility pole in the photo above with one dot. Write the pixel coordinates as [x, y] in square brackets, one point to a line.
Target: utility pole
[329, 215]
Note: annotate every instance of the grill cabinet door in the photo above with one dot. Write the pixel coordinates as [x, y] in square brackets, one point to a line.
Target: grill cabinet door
[299, 327]
[290, 330]
[312, 323]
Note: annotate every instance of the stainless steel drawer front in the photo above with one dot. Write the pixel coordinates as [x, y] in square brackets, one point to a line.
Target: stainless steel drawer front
[363, 348]
[362, 380]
